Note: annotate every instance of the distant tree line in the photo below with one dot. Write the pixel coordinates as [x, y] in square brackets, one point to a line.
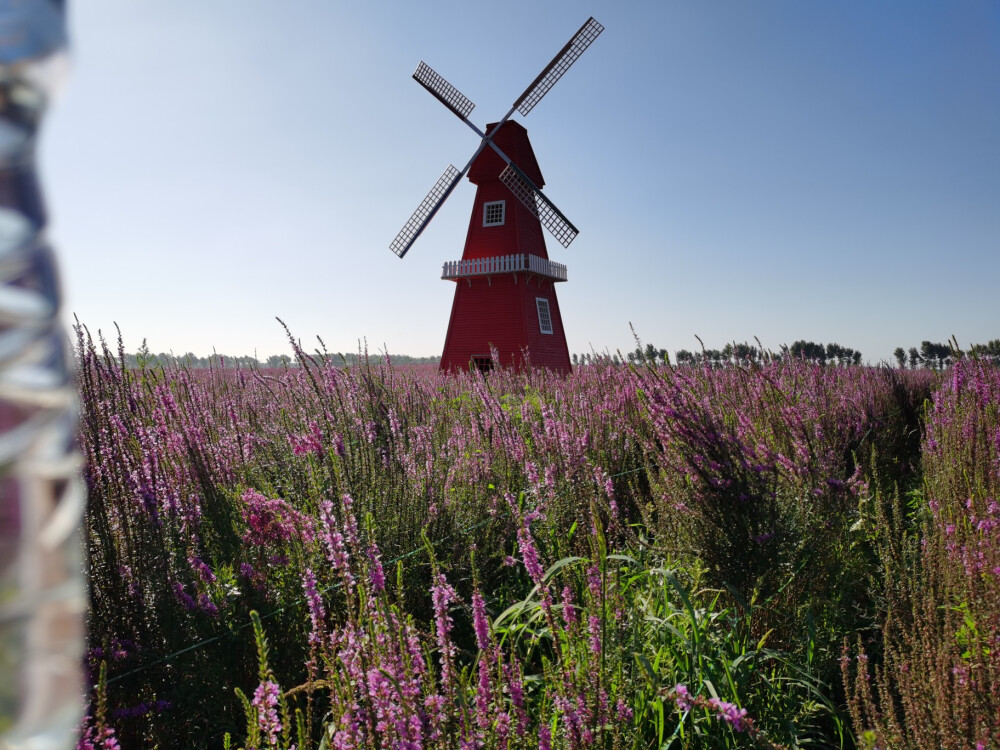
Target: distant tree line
[144, 357]
[938, 356]
[595, 358]
[930, 355]
[731, 354]
[651, 354]
[821, 354]
[833, 354]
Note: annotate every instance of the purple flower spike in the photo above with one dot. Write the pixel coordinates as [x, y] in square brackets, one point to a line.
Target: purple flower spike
[442, 594]
[265, 700]
[544, 737]
[480, 622]
[375, 573]
[529, 553]
[317, 614]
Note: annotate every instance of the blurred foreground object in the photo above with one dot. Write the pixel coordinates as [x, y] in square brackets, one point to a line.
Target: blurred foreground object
[42, 601]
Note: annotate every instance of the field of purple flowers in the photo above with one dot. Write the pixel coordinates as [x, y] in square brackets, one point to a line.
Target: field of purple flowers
[775, 555]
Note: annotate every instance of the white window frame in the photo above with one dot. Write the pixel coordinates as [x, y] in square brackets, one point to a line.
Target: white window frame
[486, 212]
[544, 315]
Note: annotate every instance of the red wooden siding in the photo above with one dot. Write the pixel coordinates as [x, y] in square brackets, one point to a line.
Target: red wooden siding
[501, 311]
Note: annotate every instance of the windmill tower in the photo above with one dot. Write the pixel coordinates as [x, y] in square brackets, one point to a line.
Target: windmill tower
[505, 297]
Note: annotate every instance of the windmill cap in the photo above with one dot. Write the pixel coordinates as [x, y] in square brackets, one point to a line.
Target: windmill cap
[512, 139]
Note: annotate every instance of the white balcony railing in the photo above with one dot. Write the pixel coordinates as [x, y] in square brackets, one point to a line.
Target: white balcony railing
[460, 269]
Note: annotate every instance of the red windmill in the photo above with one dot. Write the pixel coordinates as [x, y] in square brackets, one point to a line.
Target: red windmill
[505, 294]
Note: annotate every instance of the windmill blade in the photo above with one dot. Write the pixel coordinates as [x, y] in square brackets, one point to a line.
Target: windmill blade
[443, 91]
[559, 65]
[426, 210]
[551, 217]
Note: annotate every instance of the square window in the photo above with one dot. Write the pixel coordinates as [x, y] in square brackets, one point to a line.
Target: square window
[544, 318]
[493, 213]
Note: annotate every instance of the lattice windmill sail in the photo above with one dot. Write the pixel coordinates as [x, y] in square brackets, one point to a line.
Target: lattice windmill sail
[519, 183]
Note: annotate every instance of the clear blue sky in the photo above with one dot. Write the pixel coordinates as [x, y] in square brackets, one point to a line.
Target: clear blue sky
[780, 169]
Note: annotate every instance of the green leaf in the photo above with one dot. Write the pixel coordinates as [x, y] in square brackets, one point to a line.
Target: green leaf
[711, 688]
[511, 612]
[651, 676]
[559, 565]
[623, 558]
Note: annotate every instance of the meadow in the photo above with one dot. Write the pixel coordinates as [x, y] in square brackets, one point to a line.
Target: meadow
[774, 555]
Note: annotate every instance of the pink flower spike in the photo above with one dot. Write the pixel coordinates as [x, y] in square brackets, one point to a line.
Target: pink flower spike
[265, 700]
[480, 621]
